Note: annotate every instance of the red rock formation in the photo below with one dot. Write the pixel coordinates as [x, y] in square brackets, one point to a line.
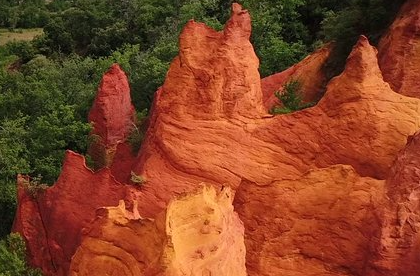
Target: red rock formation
[400, 241]
[333, 222]
[214, 72]
[123, 161]
[28, 221]
[360, 122]
[193, 237]
[309, 72]
[325, 222]
[52, 221]
[119, 243]
[112, 112]
[399, 51]
[113, 118]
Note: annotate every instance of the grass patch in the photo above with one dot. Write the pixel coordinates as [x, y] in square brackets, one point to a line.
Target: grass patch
[18, 35]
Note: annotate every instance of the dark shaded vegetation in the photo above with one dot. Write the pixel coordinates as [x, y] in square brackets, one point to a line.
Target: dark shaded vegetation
[358, 17]
[12, 257]
[47, 85]
[23, 14]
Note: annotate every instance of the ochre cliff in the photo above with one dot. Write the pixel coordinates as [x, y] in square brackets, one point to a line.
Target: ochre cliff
[400, 236]
[113, 119]
[399, 51]
[112, 112]
[360, 122]
[193, 236]
[325, 222]
[329, 190]
[60, 213]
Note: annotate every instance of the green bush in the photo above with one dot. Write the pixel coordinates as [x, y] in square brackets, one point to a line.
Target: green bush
[137, 179]
[7, 206]
[138, 132]
[23, 14]
[12, 257]
[22, 49]
[291, 98]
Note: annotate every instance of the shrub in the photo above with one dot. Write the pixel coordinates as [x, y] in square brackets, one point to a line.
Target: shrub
[12, 257]
[34, 186]
[138, 179]
[138, 131]
[291, 98]
[22, 49]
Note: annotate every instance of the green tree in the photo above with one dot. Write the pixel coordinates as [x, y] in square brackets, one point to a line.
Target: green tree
[23, 14]
[344, 26]
[291, 98]
[7, 205]
[279, 36]
[13, 148]
[12, 257]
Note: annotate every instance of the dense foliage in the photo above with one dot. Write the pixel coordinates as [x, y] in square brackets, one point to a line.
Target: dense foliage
[12, 257]
[47, 85]
[23, 14]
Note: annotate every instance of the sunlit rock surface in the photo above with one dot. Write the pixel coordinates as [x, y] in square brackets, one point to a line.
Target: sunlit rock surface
[360, 122]
[326, 222]
[198, 234]
[400, 240]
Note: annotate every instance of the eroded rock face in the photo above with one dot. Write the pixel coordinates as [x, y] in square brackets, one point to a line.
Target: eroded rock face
[360, 122]
[215, 73]
[399, 51]
[333, 222]
[309, 72]
[193, 237]
[400, 240]
[119, 243]
[112, 117]
[52, 221]
[28, 222]
[326, 222]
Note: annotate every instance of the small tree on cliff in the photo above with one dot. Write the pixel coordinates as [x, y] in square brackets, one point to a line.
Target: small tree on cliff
[291, 98]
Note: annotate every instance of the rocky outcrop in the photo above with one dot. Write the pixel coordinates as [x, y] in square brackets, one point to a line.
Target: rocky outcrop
[215, 73]
[309, 72]
[400, 239]
[399, 51]
[52, 221]
[326, 222]
[112, 117]
[192, 237]
[333, 222]
[29, 223]
[360, 122]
